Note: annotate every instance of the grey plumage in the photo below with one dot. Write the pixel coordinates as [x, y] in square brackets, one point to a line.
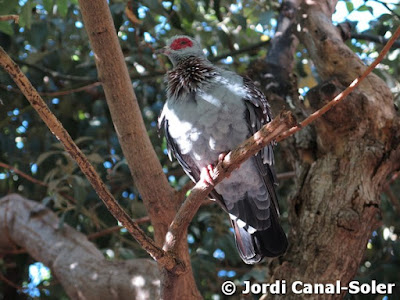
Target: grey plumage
[209, 111]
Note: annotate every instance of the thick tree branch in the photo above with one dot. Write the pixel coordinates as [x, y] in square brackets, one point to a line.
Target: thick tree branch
[355, 147]
[335, 101]
[142, 160]
[63, 136]
[79, 266]
[125, 112]
[274, 73]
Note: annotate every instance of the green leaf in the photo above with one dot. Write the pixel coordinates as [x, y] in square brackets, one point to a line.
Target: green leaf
[25, 18]
[8, 6]
[349, 6]
[365, 8]
[95, 158]
[62, 8]
[48, 5]
[6, 28]
[83, 139]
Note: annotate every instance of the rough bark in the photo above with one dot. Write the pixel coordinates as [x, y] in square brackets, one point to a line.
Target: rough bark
[354, 147]
[274, 73]
[149, 177]
[77, 264]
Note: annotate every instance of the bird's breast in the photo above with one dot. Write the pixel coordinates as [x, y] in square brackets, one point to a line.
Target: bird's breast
[210, 124]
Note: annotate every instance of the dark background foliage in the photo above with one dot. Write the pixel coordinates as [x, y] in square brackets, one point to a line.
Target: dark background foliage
[51, 46]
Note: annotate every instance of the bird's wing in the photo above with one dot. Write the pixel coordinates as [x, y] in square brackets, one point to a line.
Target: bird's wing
[257, 115]
[185, 161]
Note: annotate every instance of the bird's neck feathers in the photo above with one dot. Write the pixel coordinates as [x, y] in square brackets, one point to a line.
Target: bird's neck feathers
[188, 75]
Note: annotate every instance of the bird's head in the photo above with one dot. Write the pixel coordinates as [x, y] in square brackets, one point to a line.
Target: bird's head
[180, 47]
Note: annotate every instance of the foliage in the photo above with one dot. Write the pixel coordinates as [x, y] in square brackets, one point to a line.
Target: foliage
[51, 46]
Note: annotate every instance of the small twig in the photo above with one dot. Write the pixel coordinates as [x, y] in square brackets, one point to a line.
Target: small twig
[113, 229]
[10, 283]
[393, 178]
[75, 90]
[374, 38]
[34, 180]
[335, 101]
[388, 8]
[240, 51]
[167, 261]
[132, 17]
[55, 74]
[22, 174]
[54, 94]
[231, 161]
[286, 175]
[15, 18]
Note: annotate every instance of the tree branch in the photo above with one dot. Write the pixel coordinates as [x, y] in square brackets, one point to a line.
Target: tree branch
[335, 206]
[54, 74]
[335, 101]
[149, 177]
[387, 7]
[374, 38]
[79, 266]
[239, 51]
[15, 18]
[55, 94]
[63, 136]
[22, 174]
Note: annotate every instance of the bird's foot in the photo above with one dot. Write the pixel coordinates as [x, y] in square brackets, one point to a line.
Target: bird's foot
[221, 158]
[206, 174]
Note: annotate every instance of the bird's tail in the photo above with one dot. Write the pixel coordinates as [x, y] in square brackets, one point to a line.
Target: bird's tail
[254, 246]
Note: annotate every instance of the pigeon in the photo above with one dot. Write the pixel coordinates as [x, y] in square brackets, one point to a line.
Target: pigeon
[210, 111]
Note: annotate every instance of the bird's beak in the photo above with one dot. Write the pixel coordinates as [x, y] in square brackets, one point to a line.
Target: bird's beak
[163, 50]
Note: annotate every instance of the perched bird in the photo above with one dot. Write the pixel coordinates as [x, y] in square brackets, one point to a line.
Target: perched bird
[209, 111]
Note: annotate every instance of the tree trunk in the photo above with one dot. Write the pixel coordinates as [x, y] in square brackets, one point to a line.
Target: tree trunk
[149, 178]
[354, 147]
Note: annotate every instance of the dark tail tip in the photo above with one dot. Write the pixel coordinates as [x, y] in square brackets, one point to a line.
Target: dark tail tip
[271, 242]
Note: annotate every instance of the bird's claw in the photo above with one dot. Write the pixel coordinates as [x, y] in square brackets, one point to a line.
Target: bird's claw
[206, 174]
[221, 158]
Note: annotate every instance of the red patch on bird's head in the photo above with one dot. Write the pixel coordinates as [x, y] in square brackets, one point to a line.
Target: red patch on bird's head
[181, 43]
